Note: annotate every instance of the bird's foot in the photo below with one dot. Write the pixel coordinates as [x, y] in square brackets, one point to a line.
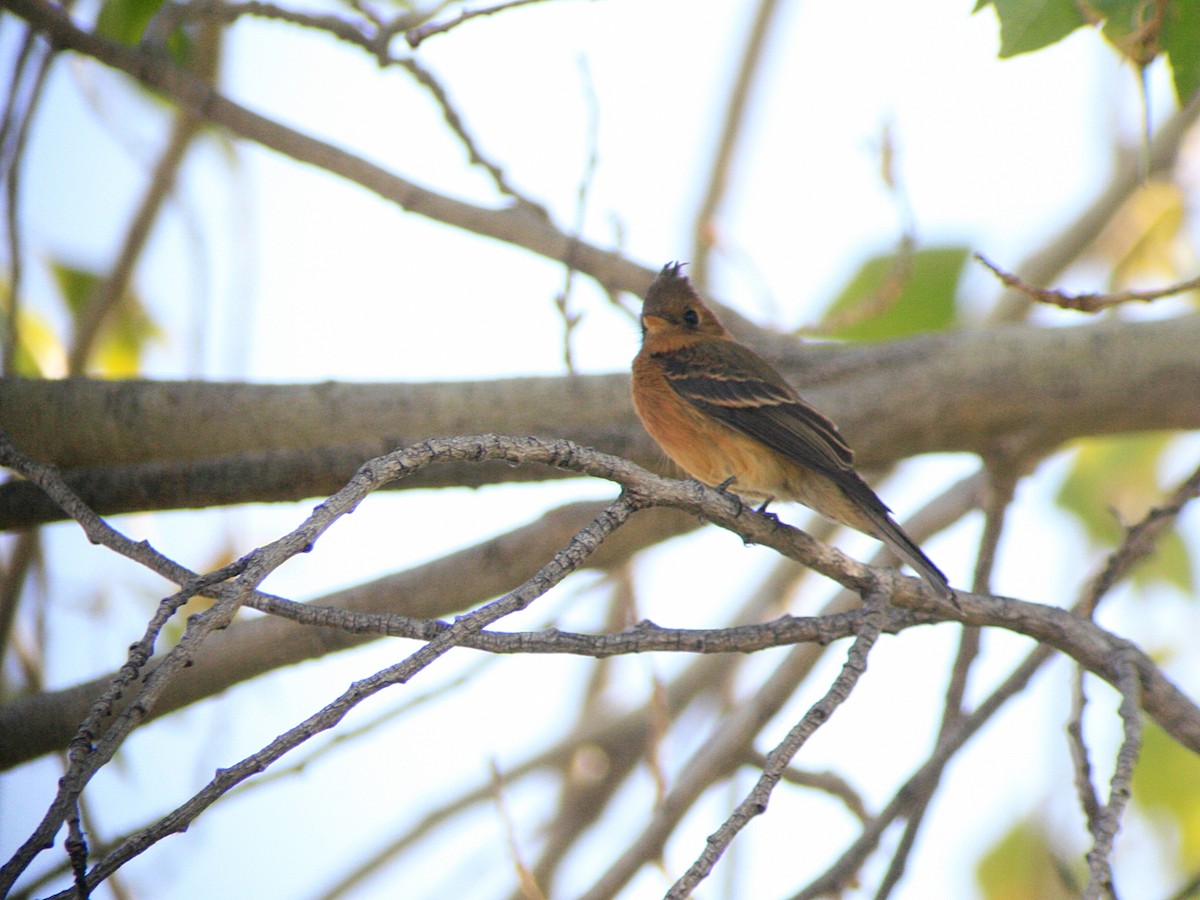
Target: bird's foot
[762, 510]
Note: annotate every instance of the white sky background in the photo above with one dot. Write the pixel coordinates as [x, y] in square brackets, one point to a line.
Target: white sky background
[298, 277]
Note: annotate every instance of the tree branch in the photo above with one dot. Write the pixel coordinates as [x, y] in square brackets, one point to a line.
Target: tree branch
[1038, 386]
[515, 225]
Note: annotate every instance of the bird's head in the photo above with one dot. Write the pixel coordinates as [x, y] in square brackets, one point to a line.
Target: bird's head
[673, 309]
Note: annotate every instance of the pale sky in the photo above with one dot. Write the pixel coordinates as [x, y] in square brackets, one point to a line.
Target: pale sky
[298, 277]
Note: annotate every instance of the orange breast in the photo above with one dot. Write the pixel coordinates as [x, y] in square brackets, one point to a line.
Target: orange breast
[706, 449]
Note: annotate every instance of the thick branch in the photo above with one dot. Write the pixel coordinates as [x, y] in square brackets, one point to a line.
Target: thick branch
[963, 391]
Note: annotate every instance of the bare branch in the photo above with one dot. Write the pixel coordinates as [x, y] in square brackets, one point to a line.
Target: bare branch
[778, 759]
[845, 869]
[415, 36]
[39, 723]
[1108, 819]
[515, 225]
[14, 135]
[108, 295]
[829, 782]
[1138, 543]
[454, 120]
[1001, 482]
[1053, 257]
[549, 575]
[1090, 302]
[1039, 385]
[736, 110]
[1080, 762]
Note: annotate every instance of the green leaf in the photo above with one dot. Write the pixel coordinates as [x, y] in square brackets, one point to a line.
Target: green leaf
[119, 346]
[1180, 40]
[117, 349]
[40, 353]
[925, 284]
[1023, 865]
[76, 286]
[1125, 29]
[1027, 25]
[1113, 483]
[1129, 25]
[1167, 782]
[126, 20]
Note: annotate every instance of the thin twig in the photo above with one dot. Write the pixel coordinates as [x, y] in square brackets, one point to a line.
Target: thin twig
[1001, 483]
[514, 225]
[1053, 257]
[1087, 302]
[421, 33]
[12, 184]
[736, 111]
[564, 562]
[112, 290]
[1080, 761]
[900, 268]
[529, 887]
[755, 803]
[1138, 542]
[829, 782]
[1100, 880]
[1141, 536]
[375, 37]
[562, 302]
[475, 154]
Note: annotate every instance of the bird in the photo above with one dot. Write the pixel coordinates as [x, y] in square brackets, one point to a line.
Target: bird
[730, 420]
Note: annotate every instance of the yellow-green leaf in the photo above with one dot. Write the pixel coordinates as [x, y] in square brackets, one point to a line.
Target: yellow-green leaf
[1180, 40]
[1112, 484]
[895, 295]
[126, 20]
[116, 350]
[75, 285]
[1027, 25]
[1023, 865]
[1166, 783]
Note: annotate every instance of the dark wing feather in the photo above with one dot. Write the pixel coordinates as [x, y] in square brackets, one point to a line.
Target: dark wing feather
[737, 387]
[732, 384]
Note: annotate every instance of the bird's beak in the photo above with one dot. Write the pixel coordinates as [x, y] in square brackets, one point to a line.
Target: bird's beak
[651, 322]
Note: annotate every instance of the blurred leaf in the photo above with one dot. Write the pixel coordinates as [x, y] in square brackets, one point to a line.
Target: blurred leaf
[119, 347]
[1167, 782]
[127, 329]
[1131, 26]
[1180, 40]
[1144, 237]
[1172, 563]
[223, 555]
[924, 283]
[1022, 865]
[1027, 25]
[40, 354]
[126, 20]
[75, 285]
[1113, 482]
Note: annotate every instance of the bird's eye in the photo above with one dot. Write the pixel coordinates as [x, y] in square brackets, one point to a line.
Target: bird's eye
[691, 317]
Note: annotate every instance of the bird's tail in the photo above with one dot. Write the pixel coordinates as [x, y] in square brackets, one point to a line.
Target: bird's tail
[906, 548]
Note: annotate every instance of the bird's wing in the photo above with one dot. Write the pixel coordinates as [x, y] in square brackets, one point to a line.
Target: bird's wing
[737, 387]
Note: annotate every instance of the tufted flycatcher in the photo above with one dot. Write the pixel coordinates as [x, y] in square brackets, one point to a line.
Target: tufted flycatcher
[729, 419]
